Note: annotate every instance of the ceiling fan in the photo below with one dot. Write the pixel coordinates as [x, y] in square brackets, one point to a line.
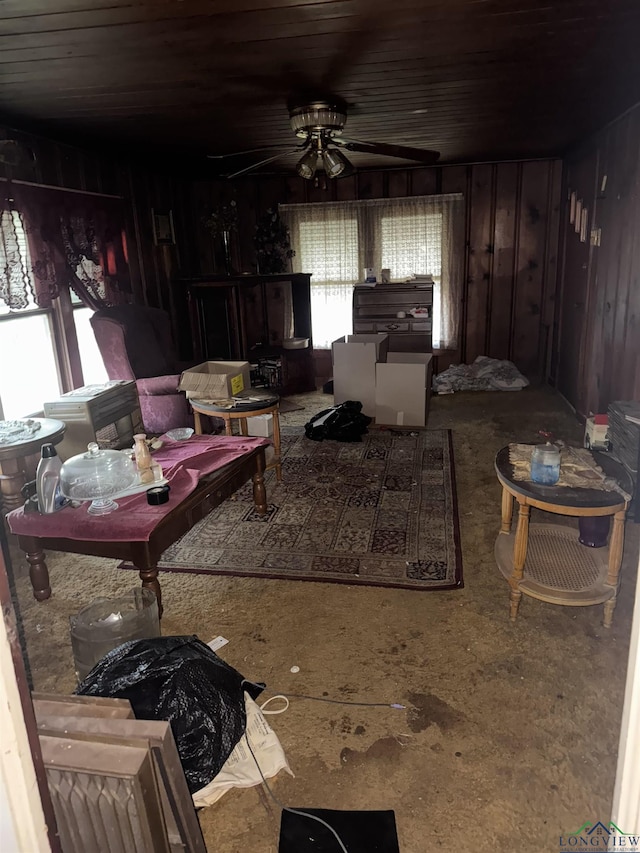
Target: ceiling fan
[319, 124]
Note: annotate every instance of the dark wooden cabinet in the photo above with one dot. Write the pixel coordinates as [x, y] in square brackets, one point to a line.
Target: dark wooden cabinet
[249, 317]
[376, 309]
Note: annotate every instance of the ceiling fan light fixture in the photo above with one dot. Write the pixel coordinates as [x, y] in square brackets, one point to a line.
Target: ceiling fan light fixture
[317, 117]
[335, 162]
[307, 165]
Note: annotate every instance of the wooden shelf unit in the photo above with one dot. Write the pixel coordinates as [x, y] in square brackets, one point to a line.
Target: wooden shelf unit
[248, 317]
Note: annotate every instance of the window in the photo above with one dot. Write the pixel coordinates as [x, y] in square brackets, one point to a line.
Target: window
[413, 244]
[52, 240]
[27, 342]
[330, 249]
[93, 369]
[335, 241]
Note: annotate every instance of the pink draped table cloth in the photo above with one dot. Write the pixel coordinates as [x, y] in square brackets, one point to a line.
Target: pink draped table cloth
[183, 464]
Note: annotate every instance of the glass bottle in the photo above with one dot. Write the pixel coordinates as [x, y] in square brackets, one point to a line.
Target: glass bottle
[143, 458]
[48, 480]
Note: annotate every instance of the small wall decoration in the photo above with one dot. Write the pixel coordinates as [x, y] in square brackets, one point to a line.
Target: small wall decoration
[572, 208]
[578, 217]
[163, 232]
[584, 219]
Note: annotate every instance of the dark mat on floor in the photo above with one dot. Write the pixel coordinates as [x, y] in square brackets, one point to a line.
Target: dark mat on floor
[360, 832]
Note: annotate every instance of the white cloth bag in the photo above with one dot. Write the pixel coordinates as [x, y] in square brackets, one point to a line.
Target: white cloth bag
[240, 769]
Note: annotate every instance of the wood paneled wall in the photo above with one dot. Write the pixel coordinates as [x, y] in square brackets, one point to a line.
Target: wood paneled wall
[512, 226]
[598, 350]
[507, 308]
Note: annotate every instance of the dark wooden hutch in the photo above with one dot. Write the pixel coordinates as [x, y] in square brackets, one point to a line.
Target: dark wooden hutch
[248, 317]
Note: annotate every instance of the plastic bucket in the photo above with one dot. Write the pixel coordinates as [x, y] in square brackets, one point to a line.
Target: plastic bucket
[108, 622]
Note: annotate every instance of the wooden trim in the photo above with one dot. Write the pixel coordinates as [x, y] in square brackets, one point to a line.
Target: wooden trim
[625, 811]
[60, 189]
[21, 764]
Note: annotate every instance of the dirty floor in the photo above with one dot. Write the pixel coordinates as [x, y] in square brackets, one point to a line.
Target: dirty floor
[510, 731]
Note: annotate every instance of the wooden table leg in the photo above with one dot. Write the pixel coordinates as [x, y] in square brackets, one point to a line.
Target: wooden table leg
[197, 422]
[616, 547]
[12, 479]
[507, 510]
[609, 607]
[276, 444]
[259, 490]
[39, 574]
[519, 557]
[228, 427]
[149, 577]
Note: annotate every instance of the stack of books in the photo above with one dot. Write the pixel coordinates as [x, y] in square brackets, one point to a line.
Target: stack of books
[624, 433]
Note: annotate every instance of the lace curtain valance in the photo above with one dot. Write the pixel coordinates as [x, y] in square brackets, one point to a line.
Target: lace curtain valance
[53, 238]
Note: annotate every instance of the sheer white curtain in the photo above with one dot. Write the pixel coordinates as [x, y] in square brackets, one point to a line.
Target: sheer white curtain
[325, 240]
[420, 234]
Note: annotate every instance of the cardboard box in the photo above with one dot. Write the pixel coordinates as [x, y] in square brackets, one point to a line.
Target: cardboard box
[403, 389]
[261, 425]
[216, 380]
[354, 368]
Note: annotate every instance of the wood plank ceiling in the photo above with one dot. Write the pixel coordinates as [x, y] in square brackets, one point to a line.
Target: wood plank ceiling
[474, 79]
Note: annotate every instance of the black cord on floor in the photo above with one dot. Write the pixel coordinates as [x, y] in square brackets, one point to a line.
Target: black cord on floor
[288, 808]
[395, 705]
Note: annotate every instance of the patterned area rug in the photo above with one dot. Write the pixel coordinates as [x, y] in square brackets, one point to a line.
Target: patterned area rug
[379, 513]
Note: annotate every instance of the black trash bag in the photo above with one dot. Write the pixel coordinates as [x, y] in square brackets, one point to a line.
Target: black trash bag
[179, 679]
[340, 423]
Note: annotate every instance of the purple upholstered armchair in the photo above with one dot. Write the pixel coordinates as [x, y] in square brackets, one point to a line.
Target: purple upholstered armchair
[135, 343]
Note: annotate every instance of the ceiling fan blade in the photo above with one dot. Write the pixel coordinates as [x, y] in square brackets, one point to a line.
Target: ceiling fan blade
[421, 155]
[247, 151]
[297, 149]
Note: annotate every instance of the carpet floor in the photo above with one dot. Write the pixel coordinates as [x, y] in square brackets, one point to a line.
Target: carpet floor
[510, 734]
[381, 512]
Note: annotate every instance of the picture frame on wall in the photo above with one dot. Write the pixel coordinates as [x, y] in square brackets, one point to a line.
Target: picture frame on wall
[572, 208]
[163, 230]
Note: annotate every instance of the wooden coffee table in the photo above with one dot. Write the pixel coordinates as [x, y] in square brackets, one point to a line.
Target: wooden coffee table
[546, 561]
[211, 491]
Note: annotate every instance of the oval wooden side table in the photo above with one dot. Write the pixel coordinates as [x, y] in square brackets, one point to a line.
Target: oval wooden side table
[240, 412]
[13, 460]
[546, 561]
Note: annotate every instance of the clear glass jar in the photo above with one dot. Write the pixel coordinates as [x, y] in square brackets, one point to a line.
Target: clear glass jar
[108, 622]
[545, 464]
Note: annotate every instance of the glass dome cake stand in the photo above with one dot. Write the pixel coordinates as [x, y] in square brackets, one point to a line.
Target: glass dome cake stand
[97, 476]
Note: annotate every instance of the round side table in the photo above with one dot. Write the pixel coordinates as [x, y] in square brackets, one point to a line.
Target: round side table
[546, 561]
[240, 412]
[13, 457]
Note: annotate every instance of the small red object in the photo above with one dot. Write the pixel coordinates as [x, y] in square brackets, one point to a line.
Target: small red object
[601, 420]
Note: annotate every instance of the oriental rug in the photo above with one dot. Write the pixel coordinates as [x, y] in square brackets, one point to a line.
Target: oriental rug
[379, 513]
